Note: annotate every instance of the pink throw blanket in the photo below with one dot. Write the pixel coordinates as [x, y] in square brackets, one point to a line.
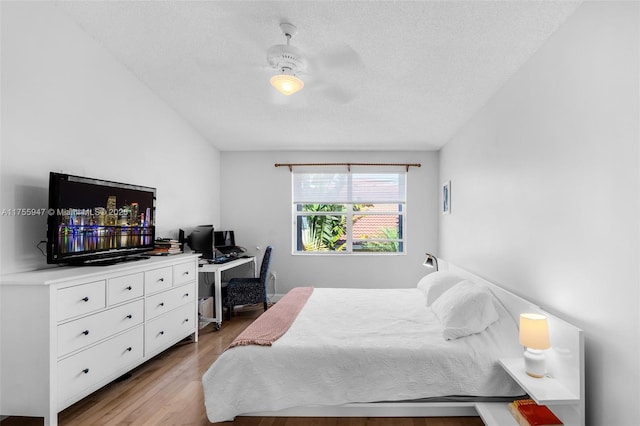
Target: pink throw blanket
[272, 324]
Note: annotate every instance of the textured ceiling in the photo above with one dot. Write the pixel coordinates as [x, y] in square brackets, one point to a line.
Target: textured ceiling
[418, 70]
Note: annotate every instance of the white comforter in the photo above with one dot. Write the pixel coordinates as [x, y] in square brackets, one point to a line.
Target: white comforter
[354, 345]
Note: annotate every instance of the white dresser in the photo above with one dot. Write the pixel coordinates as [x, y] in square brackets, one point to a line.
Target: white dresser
[67, 331]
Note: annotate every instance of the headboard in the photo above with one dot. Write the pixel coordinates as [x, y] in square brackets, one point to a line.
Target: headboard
[565, 359]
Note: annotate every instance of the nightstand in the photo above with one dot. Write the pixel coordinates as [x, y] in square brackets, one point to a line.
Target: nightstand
[545, 391]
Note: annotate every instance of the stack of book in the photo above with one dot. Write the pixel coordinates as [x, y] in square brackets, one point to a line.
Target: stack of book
[528, 413]
[166, 246]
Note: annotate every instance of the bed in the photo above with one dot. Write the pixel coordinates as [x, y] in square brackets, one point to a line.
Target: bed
[380, 352]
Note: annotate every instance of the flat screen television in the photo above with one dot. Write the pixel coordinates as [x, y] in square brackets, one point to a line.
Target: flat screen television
[95, 221]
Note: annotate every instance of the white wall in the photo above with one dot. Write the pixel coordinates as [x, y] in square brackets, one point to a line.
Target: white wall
[545, 194]
[257, 206]
[68, 105]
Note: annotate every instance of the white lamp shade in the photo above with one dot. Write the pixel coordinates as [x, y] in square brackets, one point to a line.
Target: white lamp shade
[287, 84]
[534, 331]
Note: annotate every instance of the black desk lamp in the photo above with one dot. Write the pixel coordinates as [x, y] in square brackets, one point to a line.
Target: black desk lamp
[431, 261]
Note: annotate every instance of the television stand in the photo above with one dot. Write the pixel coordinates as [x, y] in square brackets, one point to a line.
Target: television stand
[82, 328]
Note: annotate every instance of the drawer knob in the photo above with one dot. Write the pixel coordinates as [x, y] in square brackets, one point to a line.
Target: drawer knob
[129, 316]
[186, 295]
[186, 320]
[161, 333]
[161, 279]
[85, 371]
[86, 299]
[129, 288]
[129, 349]
[186, 272]
[85, 332]
[161, 304]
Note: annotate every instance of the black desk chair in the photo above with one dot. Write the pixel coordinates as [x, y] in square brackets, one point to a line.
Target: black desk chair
[248, 291]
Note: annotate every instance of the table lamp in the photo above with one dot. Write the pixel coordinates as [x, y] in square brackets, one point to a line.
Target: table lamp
[534, 335]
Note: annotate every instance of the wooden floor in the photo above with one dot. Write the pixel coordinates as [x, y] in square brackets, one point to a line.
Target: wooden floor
[167, 390]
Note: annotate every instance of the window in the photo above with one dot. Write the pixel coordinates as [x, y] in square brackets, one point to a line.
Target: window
[348, 213]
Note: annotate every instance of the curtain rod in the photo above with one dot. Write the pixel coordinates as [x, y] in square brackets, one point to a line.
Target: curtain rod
[291, 165]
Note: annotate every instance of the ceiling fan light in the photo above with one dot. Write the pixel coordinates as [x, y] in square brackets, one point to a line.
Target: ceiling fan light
[287, 84]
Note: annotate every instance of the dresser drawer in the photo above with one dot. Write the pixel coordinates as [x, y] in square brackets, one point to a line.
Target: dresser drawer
[166, 301]
[84, 331]
[165, 330]
[125, 288]
[158, 279]
[80, 299]
[92, 366]
[183, 273]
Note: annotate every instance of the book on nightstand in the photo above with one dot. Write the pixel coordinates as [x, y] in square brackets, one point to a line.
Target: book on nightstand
[528, 413]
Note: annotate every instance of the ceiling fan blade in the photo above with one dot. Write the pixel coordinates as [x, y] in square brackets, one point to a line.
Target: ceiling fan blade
[337, 72]
[338, 57]
[340, 95]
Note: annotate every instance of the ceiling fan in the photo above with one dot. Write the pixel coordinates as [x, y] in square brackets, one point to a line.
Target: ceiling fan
[335, 71]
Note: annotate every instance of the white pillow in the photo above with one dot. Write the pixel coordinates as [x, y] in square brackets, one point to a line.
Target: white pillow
[436, 283]
[465, 309]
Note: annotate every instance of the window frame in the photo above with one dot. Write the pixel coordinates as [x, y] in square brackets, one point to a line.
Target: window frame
[348, 212]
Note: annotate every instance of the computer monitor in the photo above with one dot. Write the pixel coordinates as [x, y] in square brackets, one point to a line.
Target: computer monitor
[201, 240]
[224, 239]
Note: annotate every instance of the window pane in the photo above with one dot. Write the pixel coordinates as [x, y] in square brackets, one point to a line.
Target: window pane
[376, 227]
[378, 187]
[324, 232]
[322, 207]
[378, 208]
[377, 246]
[320, 187]
[349, 187]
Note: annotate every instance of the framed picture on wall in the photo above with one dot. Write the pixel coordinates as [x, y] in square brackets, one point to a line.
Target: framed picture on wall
[446, 197]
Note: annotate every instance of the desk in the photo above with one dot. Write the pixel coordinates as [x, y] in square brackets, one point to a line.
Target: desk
[217, 291]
